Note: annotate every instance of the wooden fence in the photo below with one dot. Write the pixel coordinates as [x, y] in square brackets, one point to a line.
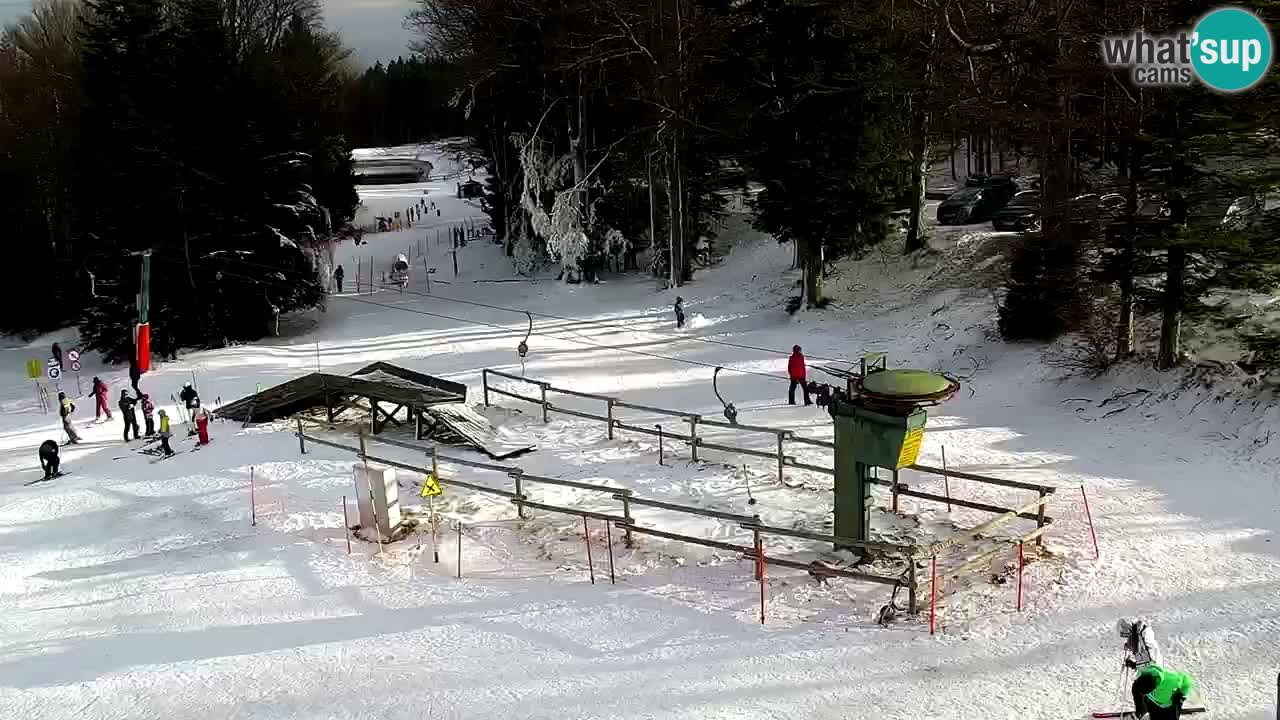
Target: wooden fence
[520, 481]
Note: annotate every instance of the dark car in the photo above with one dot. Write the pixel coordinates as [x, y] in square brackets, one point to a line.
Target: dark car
[1020, 213]
[977, 202]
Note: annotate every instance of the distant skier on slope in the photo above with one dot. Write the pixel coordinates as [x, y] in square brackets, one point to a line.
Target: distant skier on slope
[129, 413]
[796, 371]
[99, 393]
[679, 308]
[1159, 693]
[49, 459]
[65, 408]
[191, 400]
[135, 374]
[338, 274]
[1140, 648]
[57, 355]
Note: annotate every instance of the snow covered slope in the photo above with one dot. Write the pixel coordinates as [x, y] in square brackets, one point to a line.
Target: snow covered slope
[140, 589]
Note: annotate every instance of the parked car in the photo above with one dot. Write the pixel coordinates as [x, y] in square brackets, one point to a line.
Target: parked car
[978, 201]
[1021, 212]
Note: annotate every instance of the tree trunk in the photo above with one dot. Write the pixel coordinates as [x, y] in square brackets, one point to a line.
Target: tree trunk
[653, 214]
[919, 175]
[1171, 324]
[1125, 323]
[812, 259]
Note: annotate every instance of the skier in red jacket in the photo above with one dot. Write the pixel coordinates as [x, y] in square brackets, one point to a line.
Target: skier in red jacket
[795, 369]
[99, 393]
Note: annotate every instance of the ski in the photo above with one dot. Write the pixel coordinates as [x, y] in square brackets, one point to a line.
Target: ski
[1129, 713]
[44, 479]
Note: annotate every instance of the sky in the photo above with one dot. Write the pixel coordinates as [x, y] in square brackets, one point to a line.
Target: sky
[373, 28]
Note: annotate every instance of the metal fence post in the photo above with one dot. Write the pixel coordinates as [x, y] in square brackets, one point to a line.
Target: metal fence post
[659, 444]
[302, 441]
[484, 380]
[1040, 517]
[912, 582]
[543, 386]
[693, 436]
[610, 418]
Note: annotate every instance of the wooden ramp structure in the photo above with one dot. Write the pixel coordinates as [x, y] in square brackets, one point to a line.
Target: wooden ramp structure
[436, 407]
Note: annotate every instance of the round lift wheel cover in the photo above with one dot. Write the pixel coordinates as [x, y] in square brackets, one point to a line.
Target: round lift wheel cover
[908, 385]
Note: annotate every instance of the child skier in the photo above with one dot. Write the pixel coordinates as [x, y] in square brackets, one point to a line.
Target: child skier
[1159, 693]
[128, 411]
[1140, 648]
[148, 409]
[99, 393]
[49, 459]
[165, 434]
[65, 408]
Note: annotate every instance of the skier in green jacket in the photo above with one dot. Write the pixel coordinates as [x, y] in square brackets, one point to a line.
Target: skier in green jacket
[1159, 693]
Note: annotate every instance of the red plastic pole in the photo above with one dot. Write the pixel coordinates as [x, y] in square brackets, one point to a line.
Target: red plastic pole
[253, 503]
[1089, 516]
[760, 570]
[933, 593]
[1021, 564]
[586, 535]
[346, 524]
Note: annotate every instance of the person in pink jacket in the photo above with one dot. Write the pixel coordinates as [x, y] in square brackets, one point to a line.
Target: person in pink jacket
[101, 406]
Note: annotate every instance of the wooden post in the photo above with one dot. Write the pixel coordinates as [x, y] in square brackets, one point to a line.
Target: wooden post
[1040, 517]
[359, 268]
[373, 505]
[253, 500]
[586, 535]
[370, 273]
[608, 539]
[435, 523]
[1021, 564]
[302, 441]
[346, 523]
[484, 381]
[933, 593]
[693, 436]
[946, 482]
[659, 444]
[626, 515]
[782, 460]
[894, 489]
[543, 387]
[417, 423]
[610, 402]
[459, 549]
[1089, 516]
[455, 263]
[912, 583]
[760, 569]
[520, 511]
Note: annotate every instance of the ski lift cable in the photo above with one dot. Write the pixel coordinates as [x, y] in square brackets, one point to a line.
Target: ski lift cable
[576, 339]
[598, 323]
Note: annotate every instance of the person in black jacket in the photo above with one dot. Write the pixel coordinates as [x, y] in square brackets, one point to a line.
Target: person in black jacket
[57, 354]
[135, 373]
[49, 459]
[338, 274]
[129, 411]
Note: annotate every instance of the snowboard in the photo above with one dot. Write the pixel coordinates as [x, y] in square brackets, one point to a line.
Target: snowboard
[44, 479]
[1129, 713]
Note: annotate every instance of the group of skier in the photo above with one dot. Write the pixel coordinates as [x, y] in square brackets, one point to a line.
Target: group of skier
[1158, 692]
[128, 406]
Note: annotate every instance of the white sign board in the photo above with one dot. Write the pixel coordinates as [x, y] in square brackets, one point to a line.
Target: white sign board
[55, 372]
[73, 356]
[75, 366]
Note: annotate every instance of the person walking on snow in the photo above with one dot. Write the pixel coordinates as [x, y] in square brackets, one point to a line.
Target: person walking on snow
[148, 409]
[99, 393]
[1158, 694]
[49, 459]
[128, 411]
[338, 274]
[165, 434]
[191, 400]
[679, 308]
[1140, 647]
[65, 408]
[135, 374]
[795, 370]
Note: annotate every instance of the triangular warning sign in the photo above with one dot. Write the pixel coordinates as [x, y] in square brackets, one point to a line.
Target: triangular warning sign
[430, 487]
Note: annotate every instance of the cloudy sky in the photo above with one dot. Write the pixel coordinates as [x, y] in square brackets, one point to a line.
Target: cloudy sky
[373, 28]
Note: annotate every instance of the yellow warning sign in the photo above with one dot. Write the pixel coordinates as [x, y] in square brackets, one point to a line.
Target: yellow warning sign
[910, 448]
[430, 486]
[33, 369]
